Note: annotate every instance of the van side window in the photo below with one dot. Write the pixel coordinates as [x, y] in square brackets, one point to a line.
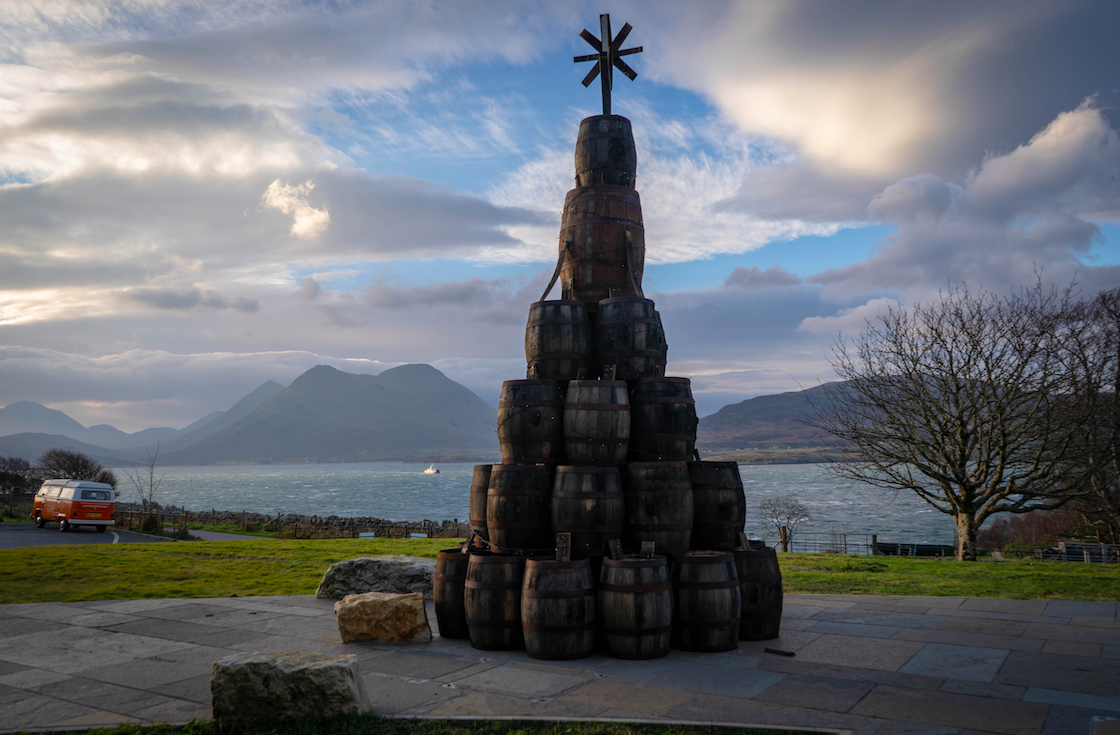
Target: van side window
[53, 492]
[95, 495]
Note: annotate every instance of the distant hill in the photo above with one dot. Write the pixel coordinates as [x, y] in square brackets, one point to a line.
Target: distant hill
[28, 417]
[30, 446]
[766, 422]
[327, 415]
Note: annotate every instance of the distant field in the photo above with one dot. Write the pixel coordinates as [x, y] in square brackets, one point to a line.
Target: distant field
[769, 456]
[283, 567]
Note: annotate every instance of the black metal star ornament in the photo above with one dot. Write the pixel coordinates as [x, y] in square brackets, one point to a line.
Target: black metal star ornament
[608, 57]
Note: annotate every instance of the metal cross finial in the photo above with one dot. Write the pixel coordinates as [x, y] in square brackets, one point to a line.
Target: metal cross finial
[608, 57]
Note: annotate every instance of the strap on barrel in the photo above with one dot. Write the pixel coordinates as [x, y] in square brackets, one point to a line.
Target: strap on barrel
[627, 588]
[720, 585]
[580, 528]
[639, 631]
[491, 586]
[557, 594]
[660, 526]
[450, 577]
[630, 270]
[556, 273]
[474, 623]
[556, 628]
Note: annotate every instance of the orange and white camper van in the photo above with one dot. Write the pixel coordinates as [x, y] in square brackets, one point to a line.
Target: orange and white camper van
[74, 503]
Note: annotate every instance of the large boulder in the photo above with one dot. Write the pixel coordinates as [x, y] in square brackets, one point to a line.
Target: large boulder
[394, 573]
[250, 688]
[383, 617]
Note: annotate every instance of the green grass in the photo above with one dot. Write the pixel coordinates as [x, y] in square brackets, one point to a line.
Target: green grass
[287, 567]
[250, 530]
[199, 569]
[376, 725]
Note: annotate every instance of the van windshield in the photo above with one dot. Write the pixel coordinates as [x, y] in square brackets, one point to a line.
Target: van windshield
[53, 492]
[95, 495]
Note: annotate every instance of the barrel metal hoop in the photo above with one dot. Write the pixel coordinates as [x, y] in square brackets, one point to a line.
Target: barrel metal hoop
[557, 628]
[474, 623]
[721, 585]
[516, 526]
[546, 356]
[716, 524]
[492, 586]
[450, 577]
[660, 526]
[658, 437]
[662, 487]
[560, 493]
[639, 631]
[707, 624]
[575, 527]
[500, 492]
[628, 588]
[593, 440]
[557, 594]
[634, 563]
[596, 406]
[544, 322]
[529, 403]
[640, 401]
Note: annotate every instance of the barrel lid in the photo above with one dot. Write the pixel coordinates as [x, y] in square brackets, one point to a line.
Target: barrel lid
[703, 557]
[604, 118]
[657, 560]
[554, 564]
[483, 467]
[521, 468]
[586, 470]
[625, 299]
[452, 554]
[660, 379]
[530, 381]
[557, 302]
[712, 463]
[596, 383]
[489, 557]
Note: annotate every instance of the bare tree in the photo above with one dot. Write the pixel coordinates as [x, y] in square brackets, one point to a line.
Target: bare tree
[966, 401]
[785, 514]
[1094, 347]
[15, 477]
[64, 464]
[145, 481]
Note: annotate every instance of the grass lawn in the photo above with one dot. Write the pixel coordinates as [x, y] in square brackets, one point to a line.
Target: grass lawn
[375, 725]
[288, 567]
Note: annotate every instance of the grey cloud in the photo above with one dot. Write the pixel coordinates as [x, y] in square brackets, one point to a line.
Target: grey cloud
[1015, 214]
[189, 298]
[802, 190]
[755, 277]
[309, 289]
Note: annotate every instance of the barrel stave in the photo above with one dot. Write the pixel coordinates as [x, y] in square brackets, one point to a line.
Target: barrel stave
[707, 602]
[636, 607]
[558, 609]
[597, 423]
[721, 505]
[659, 508]
[447, 593]
[587, 502]
[662, 419]
[492, 601]
[480, 482]
[760, 587]
[517, 507]
[630, 338]
[557, 341]
[530, 422]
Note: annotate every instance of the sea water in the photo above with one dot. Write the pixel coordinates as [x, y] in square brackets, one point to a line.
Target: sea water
[402, 492]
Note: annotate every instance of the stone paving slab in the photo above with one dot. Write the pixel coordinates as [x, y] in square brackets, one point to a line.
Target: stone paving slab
[870, 665]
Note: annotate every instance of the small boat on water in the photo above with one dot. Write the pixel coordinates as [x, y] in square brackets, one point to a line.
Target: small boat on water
[431, 470]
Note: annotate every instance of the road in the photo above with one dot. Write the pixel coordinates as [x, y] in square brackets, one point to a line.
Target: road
[18, 535]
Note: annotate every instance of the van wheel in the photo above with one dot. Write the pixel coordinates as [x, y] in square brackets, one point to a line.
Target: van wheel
[101, 529]
[39, 520]
[63, 524]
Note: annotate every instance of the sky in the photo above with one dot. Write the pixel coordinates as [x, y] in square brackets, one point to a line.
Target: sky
[197, 197]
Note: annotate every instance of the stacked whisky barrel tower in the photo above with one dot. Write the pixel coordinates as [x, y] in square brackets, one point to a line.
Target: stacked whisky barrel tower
[598, 443]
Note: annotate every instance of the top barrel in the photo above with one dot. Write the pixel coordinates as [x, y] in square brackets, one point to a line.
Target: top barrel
[605, 152]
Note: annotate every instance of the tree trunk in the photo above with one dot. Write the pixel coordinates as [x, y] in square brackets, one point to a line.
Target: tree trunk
[785, 539]
[966, 537]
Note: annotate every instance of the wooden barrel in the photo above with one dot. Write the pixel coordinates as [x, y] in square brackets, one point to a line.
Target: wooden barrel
[662, 420]
[587, 502]
[557, 339]
[605, 152]
[530, 422]
[596, 423]
[480, 483]
[517, 507]
[602, 244]
[447, 593]
[629, 337]
[636, 607]
[760, 588]
[659, 507]
[706, 601]
[492, 601]
[558, 609]
[721, 505]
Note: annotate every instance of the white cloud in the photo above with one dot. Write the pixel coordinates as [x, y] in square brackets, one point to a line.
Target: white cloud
[307, 221]
[847, 321]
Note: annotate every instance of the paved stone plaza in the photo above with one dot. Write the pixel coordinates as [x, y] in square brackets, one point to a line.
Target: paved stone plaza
[862, 664]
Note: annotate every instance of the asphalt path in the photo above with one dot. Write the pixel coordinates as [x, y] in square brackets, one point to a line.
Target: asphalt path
[19, 535]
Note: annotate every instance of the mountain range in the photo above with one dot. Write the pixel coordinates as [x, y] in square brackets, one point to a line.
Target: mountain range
[325, 415]
[408, 412]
